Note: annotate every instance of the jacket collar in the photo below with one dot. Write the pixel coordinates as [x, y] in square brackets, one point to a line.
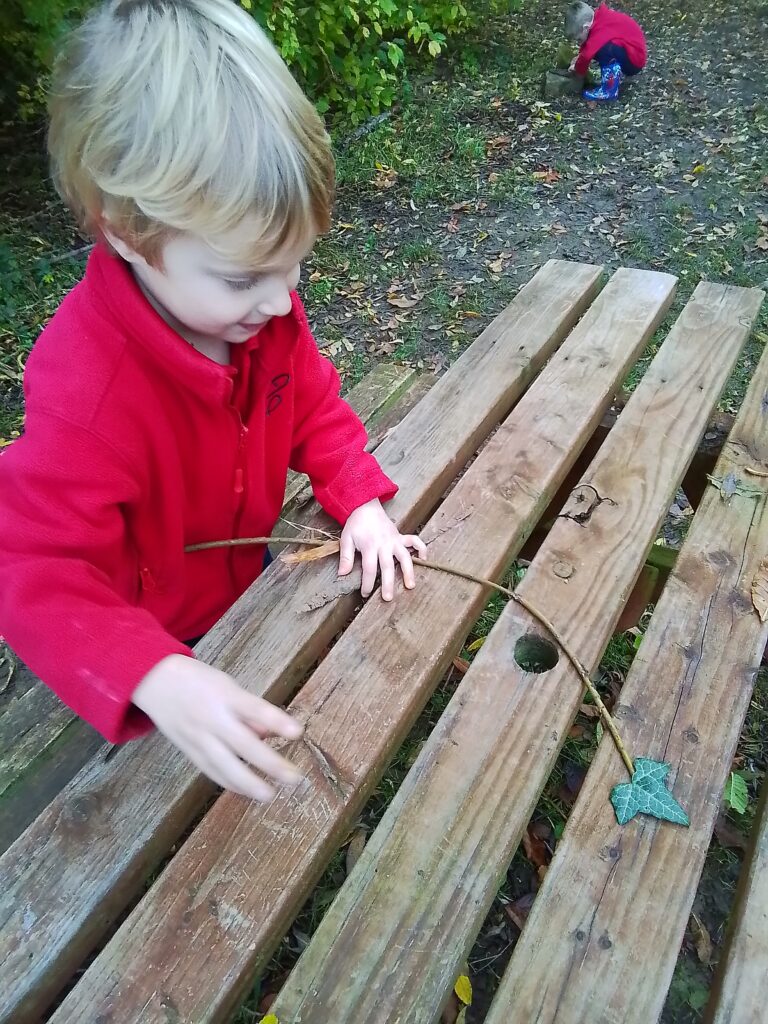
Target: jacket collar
[114, 291]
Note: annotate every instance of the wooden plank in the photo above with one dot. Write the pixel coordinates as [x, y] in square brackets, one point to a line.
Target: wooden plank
[43, 744]
[740, 992]
[394, 940]
[604, 934]
[238, 880]
[79, 864]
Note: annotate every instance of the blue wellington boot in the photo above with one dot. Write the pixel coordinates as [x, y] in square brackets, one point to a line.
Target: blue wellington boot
[612, 76]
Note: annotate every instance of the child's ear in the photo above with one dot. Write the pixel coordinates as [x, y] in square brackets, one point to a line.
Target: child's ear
[121, 247]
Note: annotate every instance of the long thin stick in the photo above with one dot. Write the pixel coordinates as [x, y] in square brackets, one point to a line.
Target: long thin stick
[605, 714]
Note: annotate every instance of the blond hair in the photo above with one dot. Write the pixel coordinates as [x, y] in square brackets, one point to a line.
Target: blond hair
[577, 18]
[172, 116]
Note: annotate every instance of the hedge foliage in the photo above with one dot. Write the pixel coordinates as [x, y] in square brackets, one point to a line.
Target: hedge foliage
[350, 55]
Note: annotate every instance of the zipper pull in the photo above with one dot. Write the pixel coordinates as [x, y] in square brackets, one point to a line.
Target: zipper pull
[238, 480]
[147, 581]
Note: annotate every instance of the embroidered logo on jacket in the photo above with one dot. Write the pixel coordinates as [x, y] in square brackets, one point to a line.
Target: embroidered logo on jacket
[274, 398]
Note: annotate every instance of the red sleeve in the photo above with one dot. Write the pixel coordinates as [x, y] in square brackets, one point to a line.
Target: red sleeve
[62, 544]
[584, 59]
[329, 440]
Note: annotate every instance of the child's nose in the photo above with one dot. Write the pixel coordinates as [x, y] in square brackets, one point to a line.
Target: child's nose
[277, 300]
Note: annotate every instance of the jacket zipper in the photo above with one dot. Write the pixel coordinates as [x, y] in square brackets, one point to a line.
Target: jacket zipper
[239, 488]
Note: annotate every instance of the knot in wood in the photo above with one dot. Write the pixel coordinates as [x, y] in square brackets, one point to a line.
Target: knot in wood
[563, 570]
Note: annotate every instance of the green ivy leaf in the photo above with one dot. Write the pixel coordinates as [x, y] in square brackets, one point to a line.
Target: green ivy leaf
[736, 793]
[647, 794]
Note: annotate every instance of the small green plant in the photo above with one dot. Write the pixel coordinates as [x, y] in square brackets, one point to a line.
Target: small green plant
[736, 795]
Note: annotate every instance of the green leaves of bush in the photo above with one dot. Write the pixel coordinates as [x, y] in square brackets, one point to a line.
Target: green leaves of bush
[349, 55]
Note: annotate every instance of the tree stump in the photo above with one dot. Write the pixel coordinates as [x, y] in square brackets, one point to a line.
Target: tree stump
[562, 83]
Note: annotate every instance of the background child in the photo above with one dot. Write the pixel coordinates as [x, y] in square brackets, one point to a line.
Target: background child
[177, 382]
[613, 39]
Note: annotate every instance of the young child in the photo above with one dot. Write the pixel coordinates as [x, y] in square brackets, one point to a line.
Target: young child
[178, 382]
[613, 39]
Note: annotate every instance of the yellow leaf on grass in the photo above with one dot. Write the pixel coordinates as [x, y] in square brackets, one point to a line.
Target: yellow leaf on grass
[476, 644]
[760, 591]
[330, 547]
[270, 1019]
[463, 989]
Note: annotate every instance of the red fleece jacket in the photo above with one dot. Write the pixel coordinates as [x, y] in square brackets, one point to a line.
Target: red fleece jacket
[136, 445]
[612, 26]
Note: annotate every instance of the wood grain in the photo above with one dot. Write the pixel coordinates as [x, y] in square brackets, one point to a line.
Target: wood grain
[393, 942]
[603, 937]
[740, 992]
[225, 900]
[86, 856]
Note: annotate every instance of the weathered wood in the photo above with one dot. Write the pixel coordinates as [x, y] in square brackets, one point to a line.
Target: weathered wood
[43, 744]
[740, 993]
[244, 872]
[82, 860]
[394, 940]
[603, 936]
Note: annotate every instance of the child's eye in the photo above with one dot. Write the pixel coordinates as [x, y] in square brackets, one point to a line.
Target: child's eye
[239, 284]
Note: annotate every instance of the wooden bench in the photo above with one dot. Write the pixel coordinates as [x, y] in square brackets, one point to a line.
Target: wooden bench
[510, 436]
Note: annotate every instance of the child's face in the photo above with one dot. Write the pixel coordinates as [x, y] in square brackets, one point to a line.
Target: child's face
[208, 296]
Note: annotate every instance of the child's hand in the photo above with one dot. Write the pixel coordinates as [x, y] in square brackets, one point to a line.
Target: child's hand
[370, 531]
[218, 725]
[572, 66]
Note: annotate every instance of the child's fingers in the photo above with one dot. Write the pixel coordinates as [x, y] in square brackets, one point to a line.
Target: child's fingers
[370, 567]
[225, 768]
[346, 555]
[387, 563]
[263, 716]
[255, 752]
[415, 542]
[403, 556]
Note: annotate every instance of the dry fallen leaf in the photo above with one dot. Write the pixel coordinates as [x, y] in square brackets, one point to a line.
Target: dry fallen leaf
[331, 547]
[461, 665]
[702, 940]
[518, 911]
[728, 836]
[402, 302]
[355, 848]
[535, 848]
[760, 590]
[463, 989]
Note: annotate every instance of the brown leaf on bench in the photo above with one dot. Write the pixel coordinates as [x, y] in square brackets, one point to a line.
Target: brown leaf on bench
[760, 590]
[331, 547]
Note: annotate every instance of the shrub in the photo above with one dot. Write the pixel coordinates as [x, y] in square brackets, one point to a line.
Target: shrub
[348, 54]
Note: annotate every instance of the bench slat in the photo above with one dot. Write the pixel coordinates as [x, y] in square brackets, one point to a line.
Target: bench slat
[603, 937]
[79, 864]
[241, 877]
[408, 914]
[740, 992]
